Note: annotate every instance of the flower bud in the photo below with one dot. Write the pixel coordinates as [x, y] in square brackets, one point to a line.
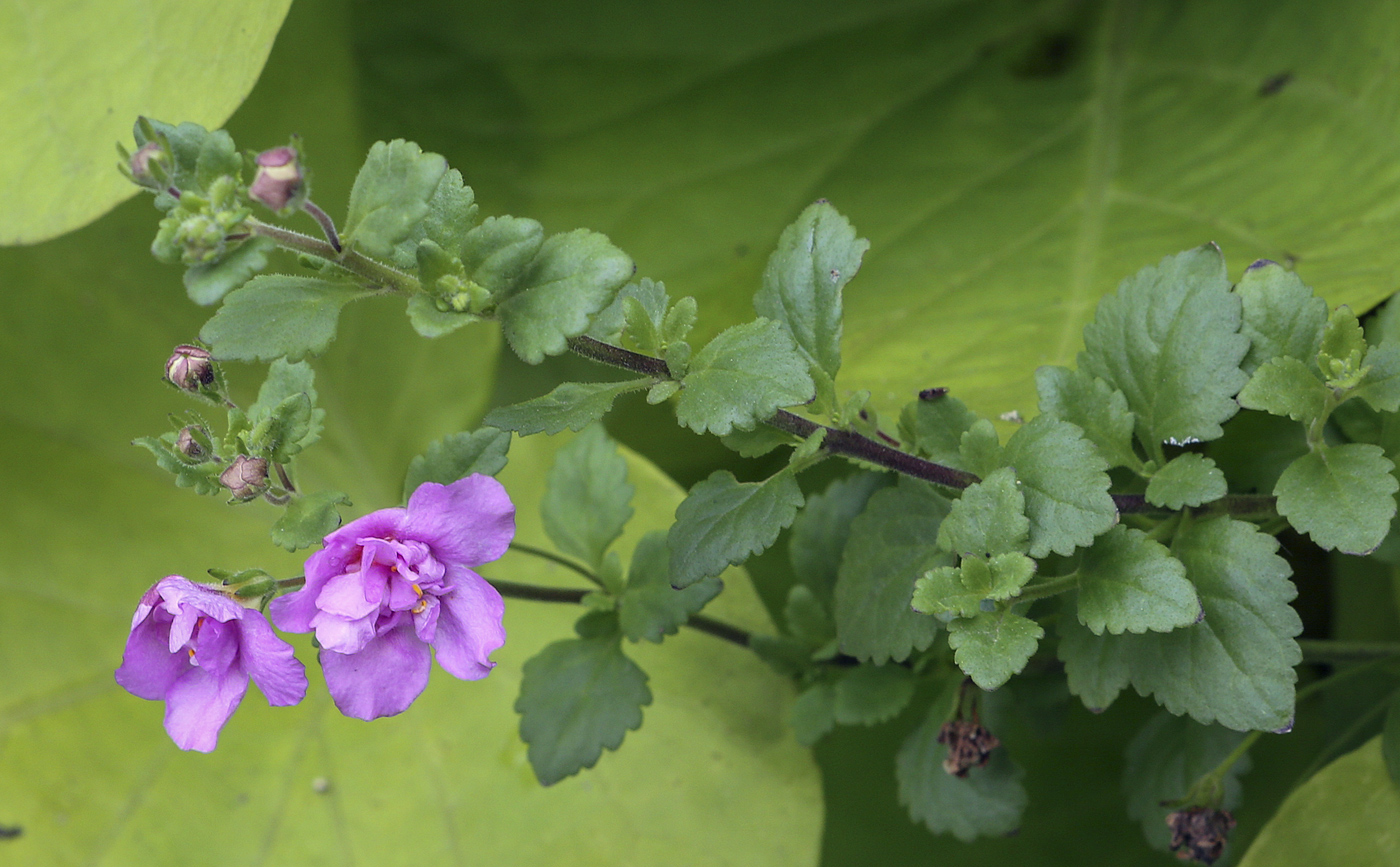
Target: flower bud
[1199, 833]
[151, 151]
[279, 178]
[193, 442]
[245, 478]
[190, 368]
[969, 746]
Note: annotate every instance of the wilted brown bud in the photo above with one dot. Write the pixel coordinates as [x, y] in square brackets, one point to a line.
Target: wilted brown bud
[193, 442]
[969, 746]
[279, 178]
[245, 478]
[190, 368]
[1198, 834]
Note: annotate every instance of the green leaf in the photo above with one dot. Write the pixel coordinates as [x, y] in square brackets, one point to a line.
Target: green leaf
[650, 607]
[1165, 759]
[578, 697]
[1129, 582]
[998, 578]
[308, 519]
[1168, 340]
[586, 503]
[742, 377]
[870, 694]
[572, 405]
[75, 84]
[1189, 479]
[1095, 666]
[574, 276]
[430, 322]
[286, 380]
[991, 647]
[498, 252]
[1286, 386]
[1098, 408]
[989, 801]
[821, 529]
[757, 442]
[934, 428]
[980, 448]
[806, 619]
[1063, 479]
[279, 436]
[1345, 814]
[989, 518]
[1282, 317]
[943, 593]
[457, 456]
[1390, 740]
[207, 284]
[643, 312]
[817, 255]
[278, 316]
[891, 545]
[1380, 387]
[611, 324]
[451, 212]
[390, 198]
[813, 714]
[724, 522]
[1342, 339]
[1342, 496]
[203, 477]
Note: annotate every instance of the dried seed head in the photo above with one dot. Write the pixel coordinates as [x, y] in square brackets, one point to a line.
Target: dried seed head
[969, 746]
[245, 478]
[1198, 833]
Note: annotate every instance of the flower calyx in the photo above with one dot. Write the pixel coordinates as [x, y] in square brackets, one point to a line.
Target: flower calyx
[245, 478]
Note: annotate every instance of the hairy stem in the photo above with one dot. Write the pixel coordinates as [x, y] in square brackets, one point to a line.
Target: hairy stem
[1049, 587]
[357, 263]
[555, 558]
[326, 223]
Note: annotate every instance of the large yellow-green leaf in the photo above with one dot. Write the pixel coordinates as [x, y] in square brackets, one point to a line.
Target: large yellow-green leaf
[1346, 815]
[1009, 161]
[75, 74]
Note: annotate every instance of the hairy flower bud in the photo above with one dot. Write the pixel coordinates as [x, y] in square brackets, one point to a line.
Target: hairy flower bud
[279, 178]
[193, 442]
[969, 746]
[141, 163]
[245, 478]
[1198, 833]
[190, 368]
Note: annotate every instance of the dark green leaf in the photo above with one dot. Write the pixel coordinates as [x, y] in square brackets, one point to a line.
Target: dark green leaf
[572, 405]
[1281, 316]
[1095, 667]
[1099, 409]
[742, 377]
[934, 428]
[1063, 479]
[650, 607]
[1163, 762]
[1168, 340]
[822, 527]
[1380, 387]
[989, 801]
[308, 519]
[457, 456]
[1189, 479]
[578, 697]
[586, 501]
[1286, 386]
[992, 646]
[1342, 496]
[891, 545]
[275, 316]
[870, 694]
[207, 284]
[989, 518]
[807, 620]
[813, 714]
[574, 276]
[389, 201]
[723, 523]
[1129, 582]
[1390, 740]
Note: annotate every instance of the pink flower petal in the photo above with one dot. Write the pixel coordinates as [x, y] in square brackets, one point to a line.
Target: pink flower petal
[468, 522]
[271, 663]
[469, 627]
[346, 596]
[148, 668]
[198, 705]
[383, 679]
[343, 636]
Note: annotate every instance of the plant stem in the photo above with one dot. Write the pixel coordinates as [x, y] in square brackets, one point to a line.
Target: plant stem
[1049, 587]
[357, 263]
[325, 221]
[551, 556]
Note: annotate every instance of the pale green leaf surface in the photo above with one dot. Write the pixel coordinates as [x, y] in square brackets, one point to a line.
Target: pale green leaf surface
[650, 608]
[74, 76]
[571, 405]
[1342, 496]
[890, 546]
[1281, 316]
[998, 578]
[457, 456]
[942, 593]
[989, 518]
[1286, 386]
[1380, 387]
[1064, 483]
[587, 501]
[741, 377]
[277, 315]
[992, 646]
[724, 522]
[1348, 813]
[1189, 479]
[1168, 340]
[1131, 583]
[1165, 759]
[1099, 409]
[428, 321]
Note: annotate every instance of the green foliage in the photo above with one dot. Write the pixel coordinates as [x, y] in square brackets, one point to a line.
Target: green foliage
[1286, 386]
[278, 316]
[390, 197]
[308, 519]
[1129, 582]
[1281, 316]
[457, 456]
[890, 546]
[724, 522]
[870, 694]
[1189, 479]
[578, 697]
[586, 503]
[742, 377]
[807, 619]
[814, 713]
[203, 476]
[989, 801]
[208, 283]
[650, 608]
[935, 427]
[992, 646]
[1165, 759]
[1064, 483]
[1168, 340]
[571, 405]
[1342, 496]
[989, 518]
[1099, 409]
[1390, 739]
[1096, 668]
[821, 529]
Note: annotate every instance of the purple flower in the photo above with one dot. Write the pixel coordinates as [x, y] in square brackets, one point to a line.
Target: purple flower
[195, 648]
[388, 585]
